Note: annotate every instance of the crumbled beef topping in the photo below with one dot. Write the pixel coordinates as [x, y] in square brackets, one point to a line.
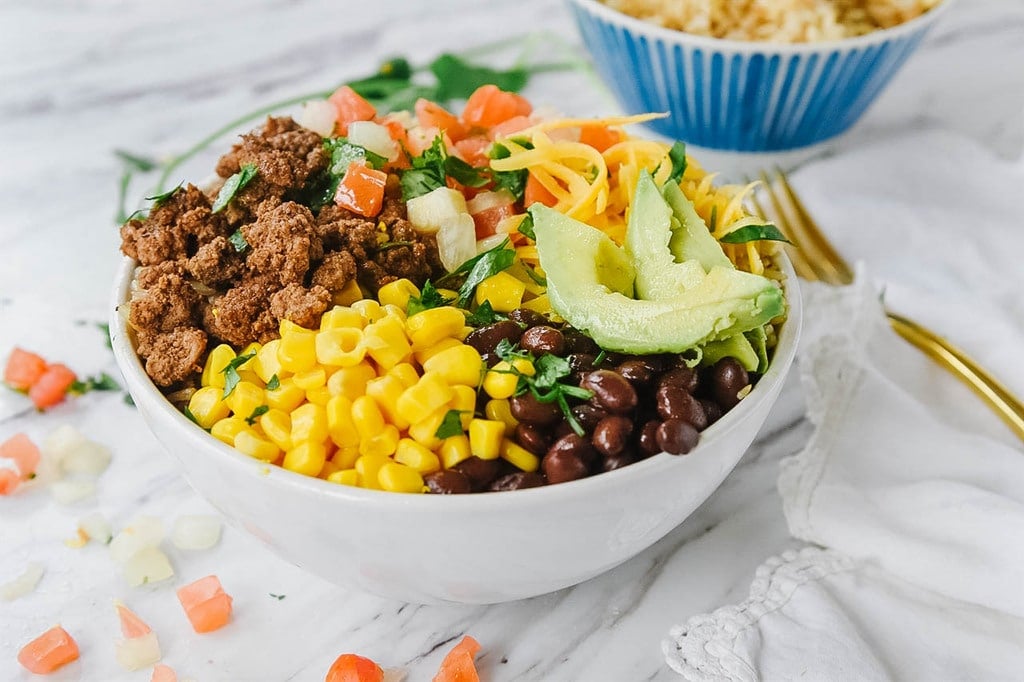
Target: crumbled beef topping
[174, 356]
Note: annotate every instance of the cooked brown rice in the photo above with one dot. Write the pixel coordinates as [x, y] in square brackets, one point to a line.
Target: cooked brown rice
[779, 21]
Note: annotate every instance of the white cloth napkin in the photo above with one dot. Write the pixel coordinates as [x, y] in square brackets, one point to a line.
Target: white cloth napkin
[913, 498]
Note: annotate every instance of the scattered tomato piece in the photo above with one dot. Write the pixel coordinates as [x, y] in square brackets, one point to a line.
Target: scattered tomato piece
[486, 221]
[24, 453]
[352, 668]
[131, 625]
[206, 604]
[458, 665]
[163, 673]
[536, 192]
[52, 386]
[9, 481]
[361, 190]
[433, 115]
[23, 369]
[510, 127]
[49, 651]
[351, 107]
[473, 150]
[399, 135]
[488, 106]
[599, 137]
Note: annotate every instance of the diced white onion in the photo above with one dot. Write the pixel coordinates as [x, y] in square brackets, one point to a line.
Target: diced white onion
[319, 115]
[24, 583]
[88, 457]
[404, 117]
[373, 137]
[69, 491]
[138, 652]
[61, 441]
[485, 200]
[143, 532]
[428, 212]
[510, 224]
[96, 527]
[196, 532]
[456, 241]
[489, 242]
[148, 565]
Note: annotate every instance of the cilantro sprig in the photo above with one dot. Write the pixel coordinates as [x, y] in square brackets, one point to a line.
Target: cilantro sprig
[257, 412]
[754, 233]
[480, 267]
[230, 372]
[429, 298]
[100, 382]
[451, 425]
[484, 315]
[233, 185]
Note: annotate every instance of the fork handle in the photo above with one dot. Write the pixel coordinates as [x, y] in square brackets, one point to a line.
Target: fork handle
[998, 397]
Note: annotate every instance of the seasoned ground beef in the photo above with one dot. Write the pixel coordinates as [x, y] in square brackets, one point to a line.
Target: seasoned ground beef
[203, 286]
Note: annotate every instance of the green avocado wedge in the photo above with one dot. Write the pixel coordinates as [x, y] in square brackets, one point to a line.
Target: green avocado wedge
[691, 239]
[590, 284]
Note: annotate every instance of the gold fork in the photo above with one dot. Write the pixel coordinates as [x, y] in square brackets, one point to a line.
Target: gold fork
[816, 260]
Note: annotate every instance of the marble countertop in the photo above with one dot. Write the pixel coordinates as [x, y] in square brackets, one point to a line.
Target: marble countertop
[84, 78]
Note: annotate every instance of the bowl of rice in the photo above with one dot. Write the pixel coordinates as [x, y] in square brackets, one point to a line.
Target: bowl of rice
[752, 76]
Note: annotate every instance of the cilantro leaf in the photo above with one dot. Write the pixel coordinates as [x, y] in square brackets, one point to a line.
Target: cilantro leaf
[677, 155]
[463, 173]
[451, 425]
[230, 372]
[755, 233]
[484, 315]
[487, 264]
[427, 172]
[274, 383]
[159, 199]
[343, 153]
[278, 597]
[550, 369]
[105, 328]
[238, 241]
[429, 298]
[508, 351]
[233, 185]
[256, 414]
[100, 382]
[458, 79]
[546, 383]
[526, 229]
[514, 181]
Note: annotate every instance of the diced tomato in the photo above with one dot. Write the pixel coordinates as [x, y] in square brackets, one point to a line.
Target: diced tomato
[536, 192]
[49, 651]
[131, 625]
[488, 106]
[23, 369]
[351, 107]
[361, 190]
[458, 665]
[51, 388]
[352, 668]
[163, 673]
[399, 135]
[9, 481]
[420, 139]
[206, 604]
[24, 453]
[433, 115]
[473, 150]
[599, 137]
[486, 222]
[512, 125]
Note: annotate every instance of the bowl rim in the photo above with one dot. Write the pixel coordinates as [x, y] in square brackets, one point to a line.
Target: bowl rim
[148, 396]
[641, 26]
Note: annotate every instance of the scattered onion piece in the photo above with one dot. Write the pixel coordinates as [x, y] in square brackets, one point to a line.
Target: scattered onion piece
[196, 532]
[148, 565]
[143, 532]
[49, 651]
[24, 583]
[95, 527]
[89, 457]
[68, 492]
[138, 652]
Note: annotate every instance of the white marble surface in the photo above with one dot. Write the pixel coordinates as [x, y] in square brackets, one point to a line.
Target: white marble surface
[82, 78]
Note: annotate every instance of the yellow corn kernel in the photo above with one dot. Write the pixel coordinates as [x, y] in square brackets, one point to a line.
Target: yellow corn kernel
[340, 426]
[250, 376]
[398, 478]
[309, 422]
[519, 271]
[344, 477]
[277, 426]
[499, 410]
[342, 317]
[246, 397]
[351, 381]
[449, 294]
[424, 431]
[405, 373]
[518, 456]
[391, 310]
[464, 399]
[297, 351]
[345, 457]
[328, 469]
[485, 437]
[216, 361]
[524, 366]
[251, 443]
[464, 332]
[413, 454]
[253, 349]
[504, 291]
[368, 466]
[367, 417]
[386, 343]
[226, 429]
[310, 378]
[319, 395]
[287, 396]
[349, 294]
[427, 327]
[454, 450]
[397, 293]
[207, 407]
[430, 394]
[382, 443]
[541, 304]
[266, 365]
[386, 392]
[459, 364]
[369, 309]
[500, 381]
[305, 458]
[340, 346]
[444, 344]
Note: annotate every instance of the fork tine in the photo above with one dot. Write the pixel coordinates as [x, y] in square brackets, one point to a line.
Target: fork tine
[803, 268]
[821, 242]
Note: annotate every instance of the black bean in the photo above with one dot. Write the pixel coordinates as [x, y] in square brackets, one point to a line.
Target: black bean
[581, 362]
[486, 339]
[712, 410]
[519, 480]
[684, 377]
[658, 363]
[635, 371]
[575, 445]
[613, 462]
[727, 379]
[611, 435]
[561, 466]
[588, 416]
[578, 342]
[677, 437]
[611, 390]
[526, 408]
[480, 472]
[675, 403]
[534, 439]
[647, 442]
[561, 429]
[543, 339]
[448, 482]
[527, 318]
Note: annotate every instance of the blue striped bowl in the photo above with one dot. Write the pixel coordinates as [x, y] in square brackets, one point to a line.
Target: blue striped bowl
[740, 96]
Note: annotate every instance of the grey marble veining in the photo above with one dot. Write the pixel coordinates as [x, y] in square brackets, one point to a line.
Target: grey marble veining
[81, 78]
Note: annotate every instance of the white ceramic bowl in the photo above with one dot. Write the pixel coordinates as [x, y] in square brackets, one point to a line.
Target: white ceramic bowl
[472, 549]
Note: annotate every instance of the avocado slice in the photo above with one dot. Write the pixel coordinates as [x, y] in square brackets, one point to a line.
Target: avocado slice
[736, 346]
[691, 239]
[590, 284]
